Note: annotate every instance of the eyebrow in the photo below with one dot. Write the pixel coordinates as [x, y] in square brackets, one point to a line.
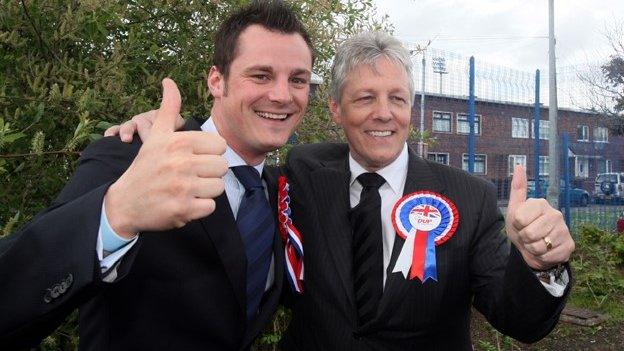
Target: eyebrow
[264, 68]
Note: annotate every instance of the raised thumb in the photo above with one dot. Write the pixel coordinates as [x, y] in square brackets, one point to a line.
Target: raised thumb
[518, 193]
[169, 110]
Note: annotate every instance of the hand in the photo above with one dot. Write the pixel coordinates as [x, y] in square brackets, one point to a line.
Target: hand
[532, 223]
[173, 179]
[142, 124]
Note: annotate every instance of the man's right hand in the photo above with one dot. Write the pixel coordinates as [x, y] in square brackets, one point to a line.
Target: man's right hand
[173, 179]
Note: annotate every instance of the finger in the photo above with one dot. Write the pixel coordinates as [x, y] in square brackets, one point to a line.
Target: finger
[200, 208]
[203, 142]
[538, 229]
[209, 166]
[144, 127]
[528, 212]
[518, 193]
[112, 131]
[169, 107]
[126, 131]
[207, 188]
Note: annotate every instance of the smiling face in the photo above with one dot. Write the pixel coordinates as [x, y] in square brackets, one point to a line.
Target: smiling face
[374, 111]
[261, 102]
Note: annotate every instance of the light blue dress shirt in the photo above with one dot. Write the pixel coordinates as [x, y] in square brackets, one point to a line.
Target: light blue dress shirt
[111, 247]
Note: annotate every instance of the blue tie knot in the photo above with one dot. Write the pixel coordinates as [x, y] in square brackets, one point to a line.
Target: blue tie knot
[248, 176]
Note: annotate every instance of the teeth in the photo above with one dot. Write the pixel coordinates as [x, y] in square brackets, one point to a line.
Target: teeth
[380, 133]
[272, 115]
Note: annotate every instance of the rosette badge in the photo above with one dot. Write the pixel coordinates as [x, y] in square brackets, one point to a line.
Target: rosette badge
[423, 219]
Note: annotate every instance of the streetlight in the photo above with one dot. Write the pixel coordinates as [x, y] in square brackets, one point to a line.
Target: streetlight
[439, 66]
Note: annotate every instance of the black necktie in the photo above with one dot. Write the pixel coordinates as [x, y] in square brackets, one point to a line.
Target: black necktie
[367, 247]
[256, 225]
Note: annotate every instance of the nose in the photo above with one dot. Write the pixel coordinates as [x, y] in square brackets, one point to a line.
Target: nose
[280, 91]
[382, 110]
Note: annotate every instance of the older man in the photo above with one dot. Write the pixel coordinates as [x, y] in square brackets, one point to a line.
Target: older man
[398, 248]
[141, 239]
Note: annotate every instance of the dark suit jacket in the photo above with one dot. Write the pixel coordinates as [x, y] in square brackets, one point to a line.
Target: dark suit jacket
[181, 289]
[476, 266]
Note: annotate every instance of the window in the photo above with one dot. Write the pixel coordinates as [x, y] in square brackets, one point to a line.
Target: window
[441, 122]
[601, 135]
[439, 157]
[544, 164]
[463, 127]
[582, 133]
[516, 160]
[519, 128]
[581, 169]
[544, 130]
[605, 166]
[480, 163]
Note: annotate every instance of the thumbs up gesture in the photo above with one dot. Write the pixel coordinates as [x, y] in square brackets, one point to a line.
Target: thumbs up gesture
[173, 179]
[536, 229]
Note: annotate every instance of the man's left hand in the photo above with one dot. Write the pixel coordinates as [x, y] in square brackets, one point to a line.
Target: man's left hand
[536, 229]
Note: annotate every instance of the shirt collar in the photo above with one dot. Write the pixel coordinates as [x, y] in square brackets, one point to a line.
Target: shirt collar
[233, 159]
[395, 173]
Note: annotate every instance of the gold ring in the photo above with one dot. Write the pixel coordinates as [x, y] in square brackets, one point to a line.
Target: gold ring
[548, 243]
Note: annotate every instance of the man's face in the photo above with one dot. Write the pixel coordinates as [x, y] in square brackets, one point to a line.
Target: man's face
[374, 112]
[266, 93]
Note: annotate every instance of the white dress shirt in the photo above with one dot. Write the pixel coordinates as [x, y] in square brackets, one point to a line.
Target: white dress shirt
[391, 191]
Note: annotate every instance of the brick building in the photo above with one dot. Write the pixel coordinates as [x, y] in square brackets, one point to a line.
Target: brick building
[504, 137]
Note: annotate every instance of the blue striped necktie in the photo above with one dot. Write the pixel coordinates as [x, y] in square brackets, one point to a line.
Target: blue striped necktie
[256, 225]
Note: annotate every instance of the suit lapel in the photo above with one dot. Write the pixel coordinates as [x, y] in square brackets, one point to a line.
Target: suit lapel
[221, 228]
[331, 186]
[419, 177]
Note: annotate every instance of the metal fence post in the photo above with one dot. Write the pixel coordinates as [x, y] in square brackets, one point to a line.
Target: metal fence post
[471, 116]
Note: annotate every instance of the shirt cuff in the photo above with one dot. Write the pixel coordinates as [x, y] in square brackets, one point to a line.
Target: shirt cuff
[556, 287]
[110, 246]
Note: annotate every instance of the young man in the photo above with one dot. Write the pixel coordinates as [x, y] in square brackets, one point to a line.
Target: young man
[141, 238]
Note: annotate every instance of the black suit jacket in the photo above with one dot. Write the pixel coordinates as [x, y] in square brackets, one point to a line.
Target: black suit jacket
[182, 289]
[476, 266]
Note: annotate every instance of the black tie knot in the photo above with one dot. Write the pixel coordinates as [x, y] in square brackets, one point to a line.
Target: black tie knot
[371, 180]
[248, 176]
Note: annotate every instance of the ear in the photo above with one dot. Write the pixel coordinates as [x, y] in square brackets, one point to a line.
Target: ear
[216, 82]
[334, 109]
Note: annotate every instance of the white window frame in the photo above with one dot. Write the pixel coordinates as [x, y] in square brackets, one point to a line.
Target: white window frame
[478, 124]
[596, 135]
[577, 170]
[465, 156]
[516, 122]
[450, 121]
[544, 160]
[544, 132]
[517, 159]
[436, 154]
[585, 136]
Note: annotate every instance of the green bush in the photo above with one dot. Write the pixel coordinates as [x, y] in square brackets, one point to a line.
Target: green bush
[597, 267]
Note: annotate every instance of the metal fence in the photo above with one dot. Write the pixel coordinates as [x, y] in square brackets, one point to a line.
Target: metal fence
[482, 118]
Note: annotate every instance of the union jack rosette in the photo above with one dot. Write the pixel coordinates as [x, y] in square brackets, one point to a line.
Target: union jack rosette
[424, 219]
[293, 242]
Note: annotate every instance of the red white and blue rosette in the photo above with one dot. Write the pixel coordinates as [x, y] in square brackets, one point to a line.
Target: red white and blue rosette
[423, 219]
[293, 242]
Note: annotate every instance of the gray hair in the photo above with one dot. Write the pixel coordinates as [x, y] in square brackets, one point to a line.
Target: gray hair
[366, 48]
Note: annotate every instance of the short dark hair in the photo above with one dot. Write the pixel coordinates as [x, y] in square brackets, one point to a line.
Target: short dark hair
[274, 15]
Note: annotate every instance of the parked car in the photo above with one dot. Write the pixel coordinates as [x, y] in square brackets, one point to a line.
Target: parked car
[609, 187]
[578, 196]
